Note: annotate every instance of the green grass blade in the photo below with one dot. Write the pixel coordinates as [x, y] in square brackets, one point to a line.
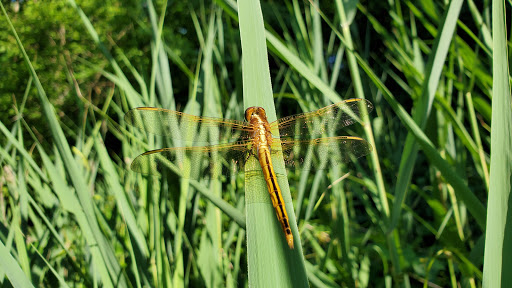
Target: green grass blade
[160, 73]
[498, 247]
[19, 219]
[270, 261]
[11, 267]
[478, 139]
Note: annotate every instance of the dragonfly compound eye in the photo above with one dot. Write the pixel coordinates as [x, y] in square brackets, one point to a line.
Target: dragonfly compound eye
[262, 113]
[248, 113]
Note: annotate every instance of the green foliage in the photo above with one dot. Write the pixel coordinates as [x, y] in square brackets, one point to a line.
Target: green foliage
[411, 213]
[59, 45]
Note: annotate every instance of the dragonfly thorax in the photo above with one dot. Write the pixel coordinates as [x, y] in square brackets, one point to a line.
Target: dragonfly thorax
[261, 135]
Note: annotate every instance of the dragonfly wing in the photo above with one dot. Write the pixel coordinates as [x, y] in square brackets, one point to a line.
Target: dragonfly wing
[194, 162]
[187, 128]
[321, 153]
[327, 120]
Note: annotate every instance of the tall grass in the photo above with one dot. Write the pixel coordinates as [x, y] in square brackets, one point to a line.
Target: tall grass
[412, 213]
[499, 224]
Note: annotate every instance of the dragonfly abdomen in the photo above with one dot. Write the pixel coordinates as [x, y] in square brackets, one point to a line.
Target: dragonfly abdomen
[275, 192]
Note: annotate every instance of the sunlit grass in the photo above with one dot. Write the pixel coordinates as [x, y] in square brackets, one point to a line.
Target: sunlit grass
[411, 213]
[497, 245]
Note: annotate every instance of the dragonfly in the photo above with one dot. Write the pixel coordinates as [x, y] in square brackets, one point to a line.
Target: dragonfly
[304, 141]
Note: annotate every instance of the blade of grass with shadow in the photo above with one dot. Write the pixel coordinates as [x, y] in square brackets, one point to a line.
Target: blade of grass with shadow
[270, 261]
[498, 247]
[12, 269]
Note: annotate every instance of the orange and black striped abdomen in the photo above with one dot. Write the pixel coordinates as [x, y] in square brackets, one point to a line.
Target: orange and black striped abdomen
[275, 193]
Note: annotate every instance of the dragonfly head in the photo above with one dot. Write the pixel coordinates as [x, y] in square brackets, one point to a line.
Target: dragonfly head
[255, 112]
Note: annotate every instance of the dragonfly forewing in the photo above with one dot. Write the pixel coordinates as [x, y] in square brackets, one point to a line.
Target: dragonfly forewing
[185, 128]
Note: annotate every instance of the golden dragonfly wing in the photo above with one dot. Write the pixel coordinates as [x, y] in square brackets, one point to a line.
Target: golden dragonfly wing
[195, 162]
[327, 120]
[186, 127]
[321, 153]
